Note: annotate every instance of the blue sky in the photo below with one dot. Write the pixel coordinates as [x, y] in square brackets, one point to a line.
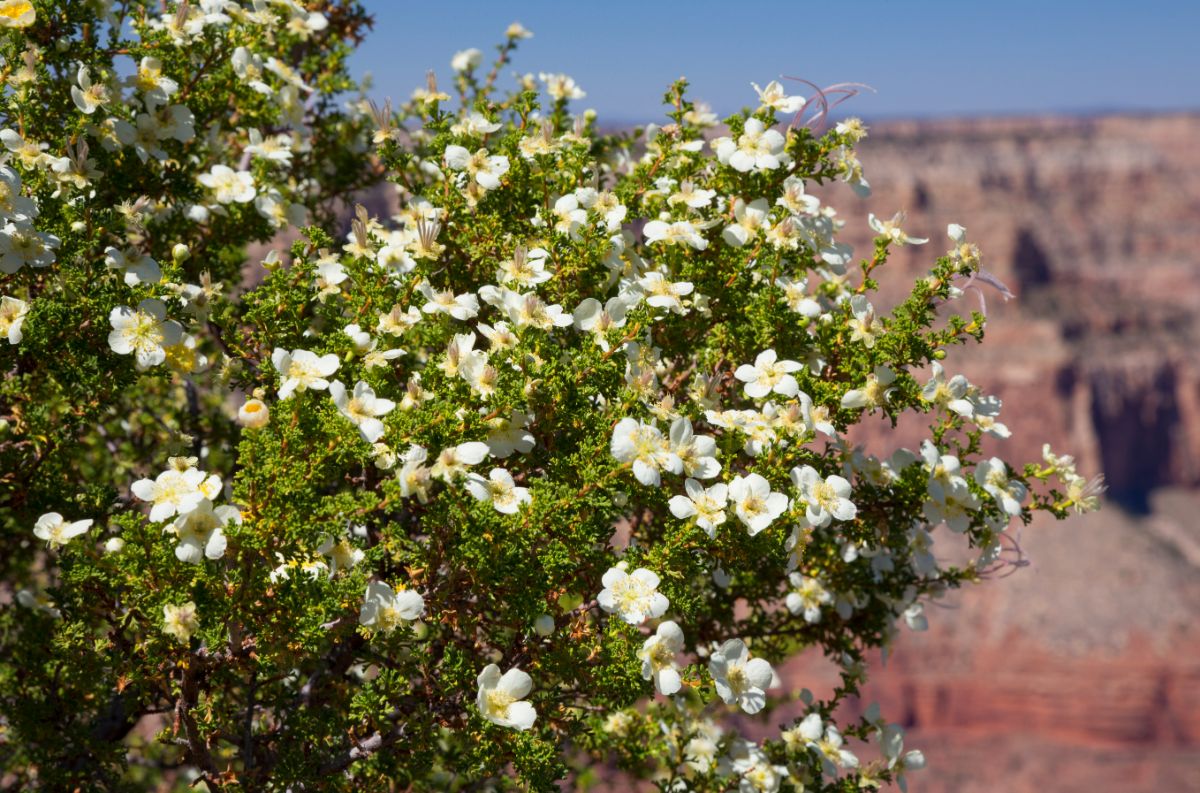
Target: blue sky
[934, 58]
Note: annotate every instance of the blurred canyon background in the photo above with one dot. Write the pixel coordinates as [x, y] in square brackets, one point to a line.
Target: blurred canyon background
[1080, 672]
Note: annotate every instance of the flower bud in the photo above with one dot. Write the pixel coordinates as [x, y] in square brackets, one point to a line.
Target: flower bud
[544, 625]
[180, 253]
[114, 545]
[254, 414]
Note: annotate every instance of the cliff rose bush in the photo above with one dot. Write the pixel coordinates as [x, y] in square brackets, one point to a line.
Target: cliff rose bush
[543, 475]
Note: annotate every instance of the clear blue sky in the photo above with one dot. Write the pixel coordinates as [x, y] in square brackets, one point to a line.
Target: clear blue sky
[932, 58]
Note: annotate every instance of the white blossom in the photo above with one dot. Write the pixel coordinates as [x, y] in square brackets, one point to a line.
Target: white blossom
[634, 597]
[707, 506]
[739, 678]
[768, 374]
[658, 658]
[362, 407]
[229, 186]
[501, 697]
[384, 609]
[643, 445]
[12, 317]
[807, 597]
[181, 621]
[505, 496]
[757, 148]
[826, 498]
[754, 502]
[302, 370]
[200, 531]
[56, 531]
[773, 97]
[992, 476]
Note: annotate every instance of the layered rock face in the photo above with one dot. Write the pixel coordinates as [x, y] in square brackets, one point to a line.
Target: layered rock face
[1082, 671]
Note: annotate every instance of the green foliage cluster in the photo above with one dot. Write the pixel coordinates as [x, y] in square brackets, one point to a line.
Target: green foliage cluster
[282, 680]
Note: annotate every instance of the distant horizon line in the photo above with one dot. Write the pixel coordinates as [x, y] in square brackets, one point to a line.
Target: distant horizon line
[1013, 115]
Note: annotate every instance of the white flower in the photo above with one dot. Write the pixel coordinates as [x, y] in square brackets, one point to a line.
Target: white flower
[20, 245]
[560, 87]
[465, 60]
[808, 597]
[698, 452]
[773, 97]
[510, 435]
[499, 489]
[891, 229]
[740, 679]
[302, 370]
[644, 446]
[17, 14]
[248, 66]
[662, 293]
[500, 697]
[757, 148]
[634, 597]
[155, 86]
[874, 393]
[827, 743]
[865, 326]
[384, 610]
[175, 491]
[476, 125]
[891, 741]
[12, 316]
[691, 196]
[362, 407]
[708, 506]
[138, 268]
[756, 506]
[461, 307]
[517, 31]
[992, 476]
[768, 374]
[749, 220]
[180, 621]
[12, 204]
[453, 462]
[658, 658]
[230, 186]
[273, 148]
[758, 775]
[825, 498]
[52, 528]
[679, 232]
[88, 96]
[200, 531]
[951, 395]
[985, 410]
[486, 169]
[1084, 494]
[144, 332]
[253, 414]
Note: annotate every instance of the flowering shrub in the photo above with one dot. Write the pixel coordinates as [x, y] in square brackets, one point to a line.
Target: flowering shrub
[550, 470]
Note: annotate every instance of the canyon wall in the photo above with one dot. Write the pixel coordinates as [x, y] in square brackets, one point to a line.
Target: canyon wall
[1080, 672]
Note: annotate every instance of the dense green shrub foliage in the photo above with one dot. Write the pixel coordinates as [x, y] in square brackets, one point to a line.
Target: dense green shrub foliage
[539, 476]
